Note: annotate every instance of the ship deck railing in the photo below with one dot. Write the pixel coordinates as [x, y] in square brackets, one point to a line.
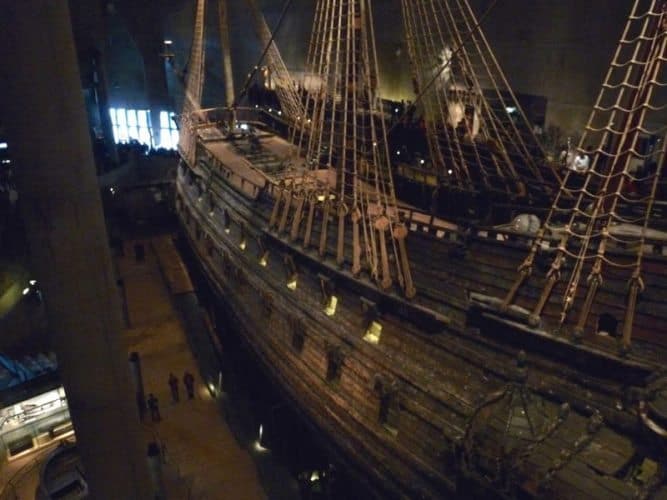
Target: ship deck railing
[416, 220]
[441, 229]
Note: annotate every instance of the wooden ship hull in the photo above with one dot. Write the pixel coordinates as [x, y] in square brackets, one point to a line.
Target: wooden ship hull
[433, 402]
[455, 370]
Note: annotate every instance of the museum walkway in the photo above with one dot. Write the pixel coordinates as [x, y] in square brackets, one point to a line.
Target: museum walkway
[196, 440]
[165, 325]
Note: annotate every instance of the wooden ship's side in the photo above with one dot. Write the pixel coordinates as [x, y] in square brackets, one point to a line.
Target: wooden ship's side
[420, 397]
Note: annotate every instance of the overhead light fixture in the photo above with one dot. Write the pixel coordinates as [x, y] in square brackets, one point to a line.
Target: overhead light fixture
[168, 42]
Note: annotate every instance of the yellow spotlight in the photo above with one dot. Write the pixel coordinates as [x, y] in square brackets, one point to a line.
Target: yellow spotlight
[330, 310]
[373, 333]
[242, 245]
[291, 284]
[264, 259]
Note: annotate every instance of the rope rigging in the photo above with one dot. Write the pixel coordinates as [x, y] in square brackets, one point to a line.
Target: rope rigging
[342, 140]
[478, 136]
[608, 206]
[283, 83]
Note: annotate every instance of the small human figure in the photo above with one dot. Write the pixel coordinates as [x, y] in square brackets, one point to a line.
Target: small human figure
[581, 162]
[173, 385]
[189, 382]
[153, 407]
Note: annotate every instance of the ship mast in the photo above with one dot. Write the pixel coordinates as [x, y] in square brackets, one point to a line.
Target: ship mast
[342, 137]
[610, 204]
[194, 87]
[225, 43]
[479, 138]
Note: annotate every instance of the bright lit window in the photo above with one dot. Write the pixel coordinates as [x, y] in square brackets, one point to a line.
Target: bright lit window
[164, 120]
[168, 131]
[135, 124]
[132, 129]
[165, 138]
[144, 130]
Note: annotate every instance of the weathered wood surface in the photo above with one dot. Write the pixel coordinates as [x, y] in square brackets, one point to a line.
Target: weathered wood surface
[440, 380]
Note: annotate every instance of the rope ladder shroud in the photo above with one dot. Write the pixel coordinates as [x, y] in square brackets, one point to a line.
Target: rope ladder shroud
[602, 217]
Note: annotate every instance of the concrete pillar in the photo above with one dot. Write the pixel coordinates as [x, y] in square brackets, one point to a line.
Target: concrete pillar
[42, 108]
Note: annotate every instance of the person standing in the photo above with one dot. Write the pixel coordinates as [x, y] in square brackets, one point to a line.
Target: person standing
[154, 408]
[189, 382]
[173, 385]
[581, 162]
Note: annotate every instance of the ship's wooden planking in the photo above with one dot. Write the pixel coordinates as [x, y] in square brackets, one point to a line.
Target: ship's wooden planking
[404, 409]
